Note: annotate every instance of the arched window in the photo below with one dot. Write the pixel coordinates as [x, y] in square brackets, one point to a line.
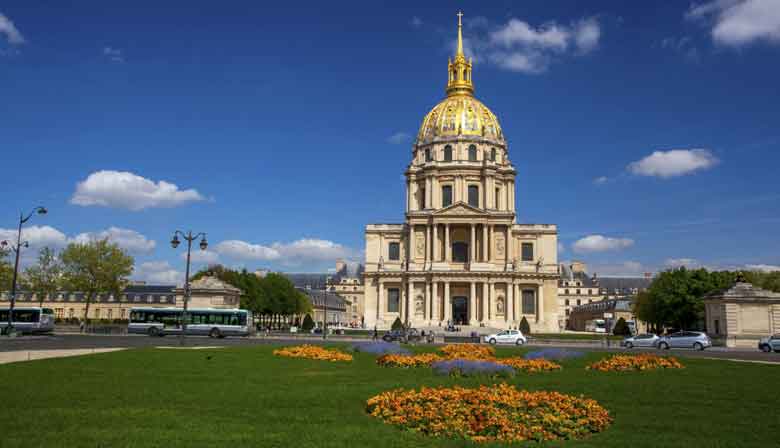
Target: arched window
[394, 251]
[460, 252]
[428, 154]
[472, 153]
[474, 195]
[446, 196]
[493, 154]
[448, 153]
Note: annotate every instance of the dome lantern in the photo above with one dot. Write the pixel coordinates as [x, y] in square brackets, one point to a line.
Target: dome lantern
[459, 70]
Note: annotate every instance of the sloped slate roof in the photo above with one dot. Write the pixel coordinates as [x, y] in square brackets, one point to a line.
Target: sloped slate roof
[743, 291]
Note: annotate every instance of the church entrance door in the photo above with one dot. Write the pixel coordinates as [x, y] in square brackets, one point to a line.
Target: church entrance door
[460, 310]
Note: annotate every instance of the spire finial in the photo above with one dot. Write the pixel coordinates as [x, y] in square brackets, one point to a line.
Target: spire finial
[460, 33]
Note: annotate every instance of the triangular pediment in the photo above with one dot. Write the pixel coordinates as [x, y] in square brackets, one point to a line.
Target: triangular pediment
[460, 209]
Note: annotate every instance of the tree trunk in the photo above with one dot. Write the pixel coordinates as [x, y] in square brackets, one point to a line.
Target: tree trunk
[86, 311]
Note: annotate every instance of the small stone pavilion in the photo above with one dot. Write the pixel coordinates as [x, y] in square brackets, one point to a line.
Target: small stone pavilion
[742, 314]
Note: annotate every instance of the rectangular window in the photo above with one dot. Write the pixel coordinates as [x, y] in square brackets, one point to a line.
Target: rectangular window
[394, 251]
[393, 300]
[428, 155]
[446, 196]
[717, 326]
[473, 195]
[527, 252]
[529, 301]
[422, 198]
[498, 198]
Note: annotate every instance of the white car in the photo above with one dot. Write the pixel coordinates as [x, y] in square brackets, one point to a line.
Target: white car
[506, 337]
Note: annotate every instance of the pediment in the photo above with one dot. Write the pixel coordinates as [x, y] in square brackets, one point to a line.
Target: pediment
[460, 209]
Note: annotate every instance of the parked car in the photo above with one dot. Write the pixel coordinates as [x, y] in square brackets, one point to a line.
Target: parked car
[641, 340]
[685, 339]
[506, 337]
[770, 343]
[410, 335]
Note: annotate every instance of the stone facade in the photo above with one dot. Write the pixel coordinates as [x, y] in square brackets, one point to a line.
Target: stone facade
[460, 257]
[351, 289]
[741, 315]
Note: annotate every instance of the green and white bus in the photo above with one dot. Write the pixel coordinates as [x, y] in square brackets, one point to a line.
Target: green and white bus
[214, 322]
[29, 319]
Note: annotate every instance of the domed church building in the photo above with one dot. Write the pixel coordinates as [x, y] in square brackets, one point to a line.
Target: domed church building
[460, 257]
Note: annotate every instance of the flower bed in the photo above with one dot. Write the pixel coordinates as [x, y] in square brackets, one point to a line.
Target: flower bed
[624, 363]
[468, 351]
[530, 365]
[420, 360]
[379, 348]
[313, 352]
[490, 413]
[472, 367]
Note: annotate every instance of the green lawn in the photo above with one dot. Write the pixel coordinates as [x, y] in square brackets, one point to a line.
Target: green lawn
[247, 397]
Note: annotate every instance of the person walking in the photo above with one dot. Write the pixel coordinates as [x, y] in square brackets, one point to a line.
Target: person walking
[375, 336]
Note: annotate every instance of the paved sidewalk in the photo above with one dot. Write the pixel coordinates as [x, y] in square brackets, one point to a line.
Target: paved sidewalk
[31, 355]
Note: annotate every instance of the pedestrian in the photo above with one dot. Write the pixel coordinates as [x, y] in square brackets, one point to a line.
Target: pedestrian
[375, 336]
[81, 325]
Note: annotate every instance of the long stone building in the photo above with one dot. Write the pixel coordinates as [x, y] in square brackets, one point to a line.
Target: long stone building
[459, 256]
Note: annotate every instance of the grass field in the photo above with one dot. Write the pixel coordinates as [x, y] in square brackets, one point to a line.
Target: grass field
[247, 397]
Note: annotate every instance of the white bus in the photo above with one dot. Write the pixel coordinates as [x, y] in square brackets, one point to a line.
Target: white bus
[216, 323]
[596, 326]
[29, 319]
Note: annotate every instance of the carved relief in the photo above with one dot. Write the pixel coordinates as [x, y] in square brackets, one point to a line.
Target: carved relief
[500, 246]
[420, 245]
[419, 306]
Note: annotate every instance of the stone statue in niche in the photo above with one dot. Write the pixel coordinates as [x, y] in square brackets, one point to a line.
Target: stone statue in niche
[419, 306]
[420, 245]
[500, 306]
[500, 245]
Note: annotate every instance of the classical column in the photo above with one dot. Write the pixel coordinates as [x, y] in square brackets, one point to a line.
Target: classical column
[484, 302]
[473, 302]
[435, 302]
[408, 192]
[380, 302]
[491, 238]
[492, 301]
[507, 246]
[427, 303]
[472, 243]
[401, 299]
[427, 245]
[428, 193]
[410, 305]
[447, 302]
[447, 243]
[510, 301]
[484, 242]
[540, 303]
[436, 251]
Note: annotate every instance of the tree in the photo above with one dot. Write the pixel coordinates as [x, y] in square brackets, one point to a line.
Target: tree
[397, 325]
[44, 277]
[525, 328]
[95, 267]
[6, 270]
[308, 323]
[621, 328]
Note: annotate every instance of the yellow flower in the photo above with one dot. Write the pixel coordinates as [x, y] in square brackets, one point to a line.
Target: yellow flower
[313, 352]
[622, 363]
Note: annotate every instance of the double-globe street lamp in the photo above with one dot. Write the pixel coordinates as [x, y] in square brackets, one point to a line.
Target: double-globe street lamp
[9, 330]
[189, 238]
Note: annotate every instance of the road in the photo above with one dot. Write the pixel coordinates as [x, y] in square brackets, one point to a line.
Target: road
[76, 341]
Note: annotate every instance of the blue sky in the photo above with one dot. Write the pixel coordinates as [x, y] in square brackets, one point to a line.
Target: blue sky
[647, 131]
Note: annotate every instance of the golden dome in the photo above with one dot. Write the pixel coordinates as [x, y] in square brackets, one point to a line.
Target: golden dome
[460, 114]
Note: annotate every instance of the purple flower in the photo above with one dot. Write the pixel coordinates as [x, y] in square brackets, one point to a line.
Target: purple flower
[467, 367]
[554, 354]
[379, 348]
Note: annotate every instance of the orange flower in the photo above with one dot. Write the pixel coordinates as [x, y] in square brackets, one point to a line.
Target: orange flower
[623, 363]
[490, 413]
[468, 351]
[313, 352]
[406, 361]
[530, 365]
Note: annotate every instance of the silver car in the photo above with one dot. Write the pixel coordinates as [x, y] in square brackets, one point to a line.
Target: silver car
[685, 339]
[641, 340]
[771, 343]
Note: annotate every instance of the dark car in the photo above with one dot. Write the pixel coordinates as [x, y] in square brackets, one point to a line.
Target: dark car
[408, 335]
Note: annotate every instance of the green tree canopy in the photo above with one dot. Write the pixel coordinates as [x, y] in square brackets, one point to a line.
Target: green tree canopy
[525, 327]
[44, 278]
[95, 267]
[6, 269]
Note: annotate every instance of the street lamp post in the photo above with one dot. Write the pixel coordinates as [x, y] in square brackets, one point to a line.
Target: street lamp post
[18, 249]
[325, 309]
[189, 238]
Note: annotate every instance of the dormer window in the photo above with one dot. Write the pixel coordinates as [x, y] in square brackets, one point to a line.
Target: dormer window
[448, 153]
[428, 154]
[493, 154]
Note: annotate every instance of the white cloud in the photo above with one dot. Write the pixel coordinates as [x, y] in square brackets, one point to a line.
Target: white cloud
[675, 162]
[762, 267]
[600, 243]
[561, 247]
[296, 253]
[398, 138]
[416, 22]
[121, 189]
[519, 46]
[37, 236]
[158, 272]
[202, 256]
[12, 34]
[689, 263]
[124, 238]
[113, 54]
[622, 269]
[601, 180]
[740, 22]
